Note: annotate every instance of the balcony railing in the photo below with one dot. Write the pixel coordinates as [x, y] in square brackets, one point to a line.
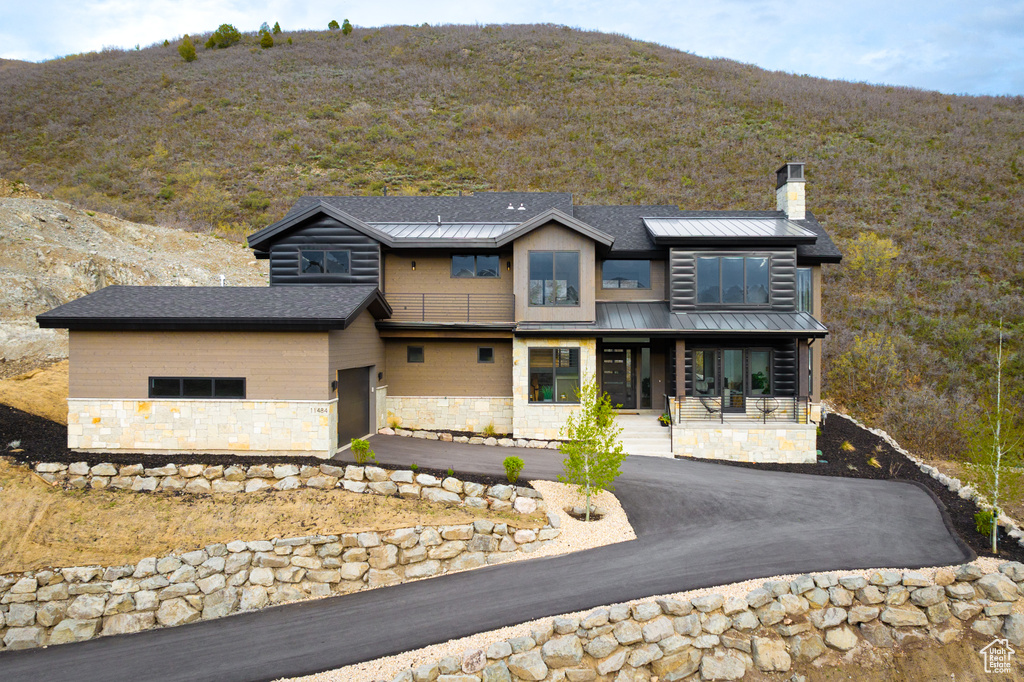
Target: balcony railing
[452, 307]
[763, 409]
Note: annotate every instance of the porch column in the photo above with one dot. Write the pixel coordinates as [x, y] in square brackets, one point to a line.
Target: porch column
[801, 368]
[680, 367]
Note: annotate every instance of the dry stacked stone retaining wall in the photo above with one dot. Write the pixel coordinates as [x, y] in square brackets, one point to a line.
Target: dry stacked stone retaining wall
[55, 606]
[447, 437]
[201, 478]
[820, 618]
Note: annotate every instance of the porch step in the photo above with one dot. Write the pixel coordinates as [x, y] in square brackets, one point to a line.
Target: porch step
[643, 435]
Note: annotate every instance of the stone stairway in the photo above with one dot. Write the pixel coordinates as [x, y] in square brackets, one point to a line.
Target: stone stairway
[642, 434]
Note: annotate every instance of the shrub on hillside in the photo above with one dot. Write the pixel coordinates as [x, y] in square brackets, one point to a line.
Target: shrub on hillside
[187, 50]
[225, 36]
[346, 27]
[266, 41]
[276, 29]
[333, 26]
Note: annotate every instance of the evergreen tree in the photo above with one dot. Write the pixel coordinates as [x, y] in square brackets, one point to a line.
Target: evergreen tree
[225, 36]
[346, 27]
[334, 26]
[267, 41]
[187, 50]
[276, 29]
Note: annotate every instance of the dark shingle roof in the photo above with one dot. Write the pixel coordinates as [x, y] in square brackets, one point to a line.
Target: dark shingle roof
[482, 207]
[309, 308]
[625, 224]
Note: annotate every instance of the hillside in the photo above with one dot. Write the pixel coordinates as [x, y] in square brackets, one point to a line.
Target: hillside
[230, 140]
[52, 252]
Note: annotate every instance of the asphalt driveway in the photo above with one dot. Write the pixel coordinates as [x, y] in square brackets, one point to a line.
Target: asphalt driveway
[697, 525]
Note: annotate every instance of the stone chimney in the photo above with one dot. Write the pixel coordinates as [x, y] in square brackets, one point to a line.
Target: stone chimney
[789, 190]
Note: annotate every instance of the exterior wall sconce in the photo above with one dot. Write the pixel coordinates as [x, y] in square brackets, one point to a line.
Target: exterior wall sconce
[334, 386]
[508, 265]
[380, 375]
[414, 265]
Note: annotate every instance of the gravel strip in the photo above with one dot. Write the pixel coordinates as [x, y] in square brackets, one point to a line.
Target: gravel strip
[384, 669]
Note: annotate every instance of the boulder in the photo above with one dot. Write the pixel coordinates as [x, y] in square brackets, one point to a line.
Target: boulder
[677, 666]
[127, 623]
[1014, 570]
[1013, 628]
[87, 607]
[220, 603]
[770, 655]
[878, 634]
[806, 646]
[997, 587]
[904, 616]
[842, 638]
[661, 627]
[528, 665]
[24, 638]
[862, 614]
[253, 597]
[927, 596]
[71, 630]
[722, 666]
[708, 603]
[562, 652]
[176, 612]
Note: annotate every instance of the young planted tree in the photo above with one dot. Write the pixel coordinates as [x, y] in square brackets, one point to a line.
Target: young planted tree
[593, 453]
[995, 460]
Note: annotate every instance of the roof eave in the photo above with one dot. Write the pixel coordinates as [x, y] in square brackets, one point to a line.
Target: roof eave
[258, 238]
[554, 215]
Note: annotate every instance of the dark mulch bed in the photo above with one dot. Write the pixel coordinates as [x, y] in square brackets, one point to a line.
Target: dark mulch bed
[45, 441]
[893, 467]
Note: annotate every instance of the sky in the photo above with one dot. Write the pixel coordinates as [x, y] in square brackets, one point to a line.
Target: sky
[953, 46]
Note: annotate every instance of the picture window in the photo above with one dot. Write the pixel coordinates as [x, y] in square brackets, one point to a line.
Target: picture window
[554, 375]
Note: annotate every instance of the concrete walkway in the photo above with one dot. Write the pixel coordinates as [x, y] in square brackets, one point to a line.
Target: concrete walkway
[697, 525]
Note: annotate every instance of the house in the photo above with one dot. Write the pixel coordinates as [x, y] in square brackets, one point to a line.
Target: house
[459, 312]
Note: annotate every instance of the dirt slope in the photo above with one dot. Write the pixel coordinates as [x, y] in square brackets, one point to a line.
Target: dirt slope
[52, 253]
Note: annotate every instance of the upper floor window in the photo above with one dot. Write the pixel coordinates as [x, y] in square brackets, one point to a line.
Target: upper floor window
[626, 274]
[554, 278]
[733, 280]
[324, 262]
[196, 387]
[475, 266]
[804, 290]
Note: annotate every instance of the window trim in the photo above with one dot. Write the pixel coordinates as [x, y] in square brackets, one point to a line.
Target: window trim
[554, 275]
[497, 270]
[323, 249]
[627, 260]
[479, 350]
[409, 355]
[720, 255]
[181, 388]
[554, 397]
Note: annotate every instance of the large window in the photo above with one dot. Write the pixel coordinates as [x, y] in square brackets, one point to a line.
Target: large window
[554, 278]
[475, 266]
[742, 371]
[196, 387]
[804, 290]
[733, 280]
[324, 262]
[554, 375]
[626, 274]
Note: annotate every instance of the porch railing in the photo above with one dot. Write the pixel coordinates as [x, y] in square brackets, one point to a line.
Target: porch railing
[452, 307]
[764, 409]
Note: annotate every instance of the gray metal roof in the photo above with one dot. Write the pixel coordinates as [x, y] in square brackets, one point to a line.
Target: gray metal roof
[400, 232]
[481, 207]
[647, 318]
[317, 307]
[726, 228]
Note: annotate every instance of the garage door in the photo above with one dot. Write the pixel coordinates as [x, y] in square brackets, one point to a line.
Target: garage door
[353, 404]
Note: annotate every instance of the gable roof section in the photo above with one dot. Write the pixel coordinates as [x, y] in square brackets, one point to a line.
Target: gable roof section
[259, 239]
[150, 308]
[557, 216]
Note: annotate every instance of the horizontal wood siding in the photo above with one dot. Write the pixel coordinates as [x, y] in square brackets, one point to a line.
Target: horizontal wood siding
[449, 368]
[683, 287]
[275, 365]
[322, 230]
[433, 274]
[358, 346]
[554, 237]
[655, 293]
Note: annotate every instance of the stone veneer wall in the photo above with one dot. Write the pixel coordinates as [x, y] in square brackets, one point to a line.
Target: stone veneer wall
[544, 420]
[450, 413]
[815, 618]
[789, 444]
[261, 427]
[55, 606]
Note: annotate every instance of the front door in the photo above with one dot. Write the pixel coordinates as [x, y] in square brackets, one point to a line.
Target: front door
[618, 377]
